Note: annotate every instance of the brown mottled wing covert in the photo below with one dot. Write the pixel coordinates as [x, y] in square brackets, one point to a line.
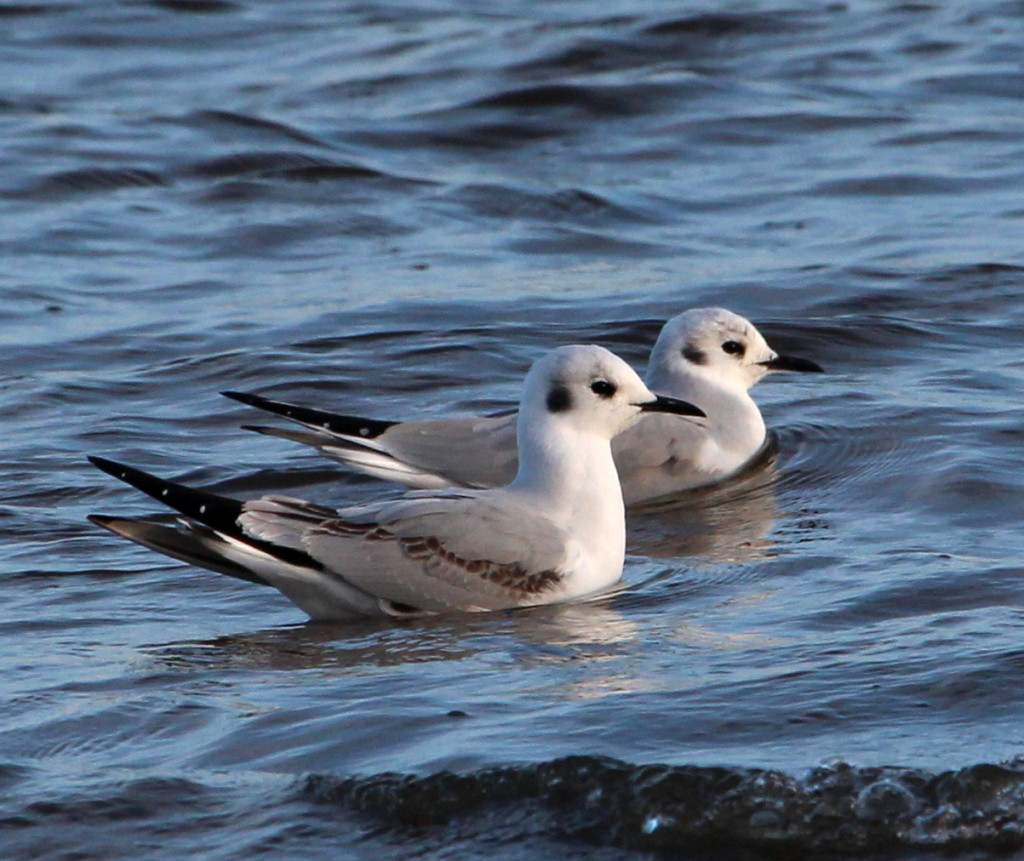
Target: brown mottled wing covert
[469, 549]
[512, 576]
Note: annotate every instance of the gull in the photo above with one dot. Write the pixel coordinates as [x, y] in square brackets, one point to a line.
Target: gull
[709, 356]
[555, 533]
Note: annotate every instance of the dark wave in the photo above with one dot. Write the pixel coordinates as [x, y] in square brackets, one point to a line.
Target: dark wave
[586, 55]
[489, 135]
[1002, 85]
[712, 25]
[195, 7]
[211, 120]
[987, 274]
[278, 165]
[597, 100]
[583, 805]
[586, 242]
[897, 312]
[93, 181]
[561, 103]
[688, 810]
[564, 204]
[19, 10]
[261, 175]
[624, 43]
[899, 185]
[951, 136]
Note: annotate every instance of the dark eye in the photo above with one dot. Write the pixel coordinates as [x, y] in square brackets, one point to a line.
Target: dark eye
[602, 388]
[734, 348]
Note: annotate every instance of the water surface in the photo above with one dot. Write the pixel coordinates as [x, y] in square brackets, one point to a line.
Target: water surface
[393, 209]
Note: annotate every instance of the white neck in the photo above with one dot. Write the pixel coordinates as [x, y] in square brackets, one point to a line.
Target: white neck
[572, 476]
[730, 409]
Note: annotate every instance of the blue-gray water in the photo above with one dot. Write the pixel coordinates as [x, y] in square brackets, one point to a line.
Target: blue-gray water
[392, 209]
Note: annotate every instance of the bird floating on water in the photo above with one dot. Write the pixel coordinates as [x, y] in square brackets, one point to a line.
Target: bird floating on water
[555, 533]
[709, 356]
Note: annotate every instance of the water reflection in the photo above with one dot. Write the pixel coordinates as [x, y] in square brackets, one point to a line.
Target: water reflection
[729, 522]
[554, 632]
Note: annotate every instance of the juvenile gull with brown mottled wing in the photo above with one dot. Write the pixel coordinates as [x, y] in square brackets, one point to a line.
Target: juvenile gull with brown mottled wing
[555, 533]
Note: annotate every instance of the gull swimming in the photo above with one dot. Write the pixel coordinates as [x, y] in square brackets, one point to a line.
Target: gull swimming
[709, 356]
[555, 533]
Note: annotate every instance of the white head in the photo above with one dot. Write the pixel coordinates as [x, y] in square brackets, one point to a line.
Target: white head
[717, 344]
[591, 390]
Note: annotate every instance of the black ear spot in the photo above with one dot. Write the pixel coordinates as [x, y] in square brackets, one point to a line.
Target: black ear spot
[559, 400]
[734, 348]
[692, 354]
[603, 388]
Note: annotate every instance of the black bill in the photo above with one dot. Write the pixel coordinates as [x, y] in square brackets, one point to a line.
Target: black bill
[661, 404]
[792, 363]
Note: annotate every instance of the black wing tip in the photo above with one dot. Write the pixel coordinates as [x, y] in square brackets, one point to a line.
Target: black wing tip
[112, 467]
[247, 398]
[281, 408]
[137, 478]
[216, 511]
[187, 546]
[113, 523]
[335, 424]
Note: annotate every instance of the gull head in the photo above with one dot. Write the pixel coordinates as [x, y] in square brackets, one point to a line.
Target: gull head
[591, 390]
[716, 344]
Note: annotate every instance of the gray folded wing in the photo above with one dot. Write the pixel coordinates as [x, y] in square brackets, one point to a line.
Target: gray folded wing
[471, 452]
[433, 551]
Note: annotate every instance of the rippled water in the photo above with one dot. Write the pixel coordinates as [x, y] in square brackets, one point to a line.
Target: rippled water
[392, 209]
